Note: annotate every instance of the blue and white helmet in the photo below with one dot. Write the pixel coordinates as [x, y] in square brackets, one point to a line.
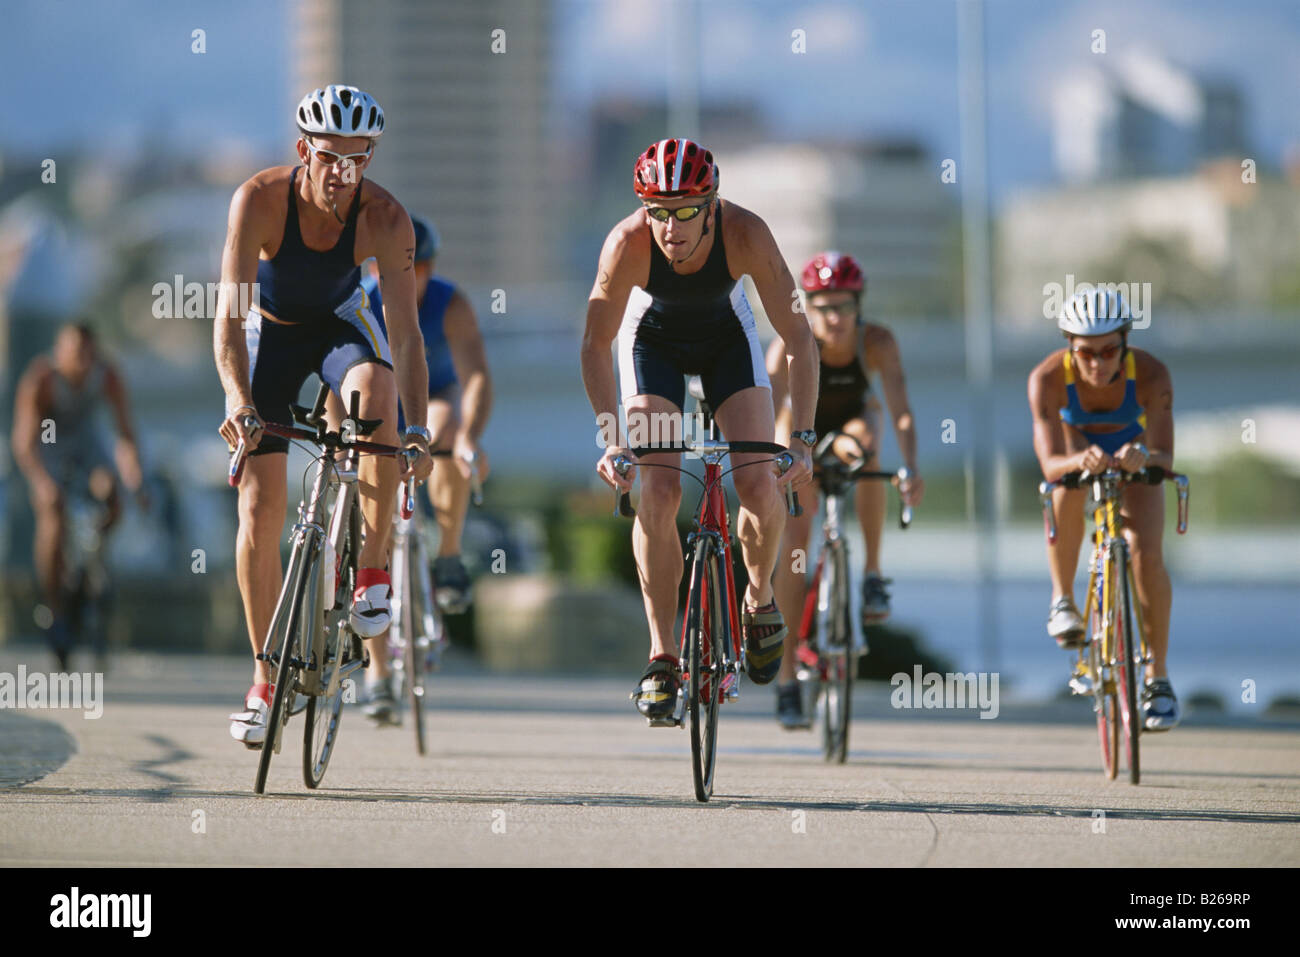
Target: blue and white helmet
[340, 111]
[1095, 312]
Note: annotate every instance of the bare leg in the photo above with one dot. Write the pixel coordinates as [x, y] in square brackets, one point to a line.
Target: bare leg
[257, 548]
[1144, 524]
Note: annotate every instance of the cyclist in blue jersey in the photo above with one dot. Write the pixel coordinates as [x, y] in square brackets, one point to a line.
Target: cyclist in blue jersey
[460, 402]
[300, 233]
[1098, 404]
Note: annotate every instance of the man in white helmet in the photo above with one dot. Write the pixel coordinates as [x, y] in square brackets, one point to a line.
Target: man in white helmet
[300, 233]
[1098, 404]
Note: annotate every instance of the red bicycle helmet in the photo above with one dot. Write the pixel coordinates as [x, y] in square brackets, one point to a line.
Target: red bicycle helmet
[833, 272]
[670, 169]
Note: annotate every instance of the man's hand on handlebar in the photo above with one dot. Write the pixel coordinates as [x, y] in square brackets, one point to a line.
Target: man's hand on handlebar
[800, 472]
[421, 464]
[242, 425]
[911, 489]
[612, 476]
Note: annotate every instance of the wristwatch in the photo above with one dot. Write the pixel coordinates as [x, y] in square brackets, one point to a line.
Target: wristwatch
[421, 432]
[808, 437]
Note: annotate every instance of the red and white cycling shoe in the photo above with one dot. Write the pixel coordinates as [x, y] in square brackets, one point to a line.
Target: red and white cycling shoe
[372, 610]
[249, 725]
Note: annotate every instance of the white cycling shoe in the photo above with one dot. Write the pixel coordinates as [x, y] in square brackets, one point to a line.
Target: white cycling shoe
[249, 726]
[372, 610]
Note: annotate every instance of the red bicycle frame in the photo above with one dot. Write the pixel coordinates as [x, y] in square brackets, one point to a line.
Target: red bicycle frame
[713, 519]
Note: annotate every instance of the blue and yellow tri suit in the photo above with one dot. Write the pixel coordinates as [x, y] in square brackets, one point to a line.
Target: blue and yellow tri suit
[1130, 414]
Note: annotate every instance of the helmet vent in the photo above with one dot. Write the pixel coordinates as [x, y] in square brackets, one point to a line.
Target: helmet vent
[316, 111]
[337, 114]
[357, 113]
[345, 97]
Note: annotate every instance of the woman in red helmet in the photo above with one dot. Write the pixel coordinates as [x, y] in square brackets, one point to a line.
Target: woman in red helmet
[668, 288]
[851, 349]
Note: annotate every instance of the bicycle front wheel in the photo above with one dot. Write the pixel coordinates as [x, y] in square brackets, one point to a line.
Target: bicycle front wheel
[1127, 655]
[325, 711]
[836, 706]
[1105, 702]
[703, 661]
[302, 564]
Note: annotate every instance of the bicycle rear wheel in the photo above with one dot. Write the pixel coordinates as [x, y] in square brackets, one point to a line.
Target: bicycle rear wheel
[837, 687]
[325, 712]
[1126, 655]
[703, 658]
[301, 564]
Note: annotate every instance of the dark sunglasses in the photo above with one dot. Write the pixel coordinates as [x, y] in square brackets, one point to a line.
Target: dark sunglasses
[683, 214]
[1105, 354]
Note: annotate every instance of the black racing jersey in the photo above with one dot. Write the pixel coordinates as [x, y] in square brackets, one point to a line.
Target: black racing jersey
[307, 285]
[841, 394]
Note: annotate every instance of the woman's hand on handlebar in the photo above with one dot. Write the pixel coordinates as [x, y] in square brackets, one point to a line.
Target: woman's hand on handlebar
[911, 489]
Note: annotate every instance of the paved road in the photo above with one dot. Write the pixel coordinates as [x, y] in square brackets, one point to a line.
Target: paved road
[560, 771]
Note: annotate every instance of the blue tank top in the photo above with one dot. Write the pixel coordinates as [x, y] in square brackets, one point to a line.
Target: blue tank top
[305, 285]
[437, 354]
[1130, 414]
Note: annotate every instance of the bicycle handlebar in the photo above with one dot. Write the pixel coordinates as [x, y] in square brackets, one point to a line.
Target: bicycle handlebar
[1150, 475]
[782, 456]
[825, 459]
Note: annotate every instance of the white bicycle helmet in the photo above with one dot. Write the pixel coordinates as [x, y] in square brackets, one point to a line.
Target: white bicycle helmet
[1095, 312]
[340, 111]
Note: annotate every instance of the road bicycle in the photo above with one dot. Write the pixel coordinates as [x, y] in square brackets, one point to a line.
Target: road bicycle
[1112, 660]
[830, 644]
[418, 635]
[712, 656]
[310, 641]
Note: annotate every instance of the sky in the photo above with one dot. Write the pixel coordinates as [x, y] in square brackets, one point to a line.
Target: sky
[123, 75]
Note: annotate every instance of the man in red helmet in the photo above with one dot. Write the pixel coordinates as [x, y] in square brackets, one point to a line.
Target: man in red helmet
[667, 287]
[850, 349]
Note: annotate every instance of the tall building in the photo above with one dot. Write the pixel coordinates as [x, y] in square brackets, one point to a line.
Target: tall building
[1142, 116]
[466, 108]
[883, 203]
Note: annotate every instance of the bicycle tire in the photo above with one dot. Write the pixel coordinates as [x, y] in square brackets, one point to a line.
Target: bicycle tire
[1105, 703]
[1126, 650]
[325, 712]
[835, 708]
[702, 693]
[286, 676]
[412, 659]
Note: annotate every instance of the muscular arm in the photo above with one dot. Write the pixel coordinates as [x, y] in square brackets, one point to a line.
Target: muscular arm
[29, 400]
[246, 230]
[468, 356]
[128, 451]
[1159, 403]
[1049, 435]
[394, 249]
[615, 277]
[778, 371]
[883, 356]
[758, 255]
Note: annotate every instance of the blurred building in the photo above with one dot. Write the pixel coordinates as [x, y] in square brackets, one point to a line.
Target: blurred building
[1207, 242]
[884, 203]
[465, 139]
[1142, 116]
